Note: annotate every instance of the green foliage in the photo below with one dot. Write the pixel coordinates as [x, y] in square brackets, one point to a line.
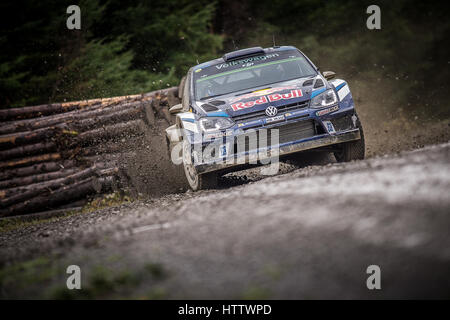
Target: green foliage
[113, 283]
[22, 274]
[104, 70]
[106, 201]
[168, 34]
[120, 49]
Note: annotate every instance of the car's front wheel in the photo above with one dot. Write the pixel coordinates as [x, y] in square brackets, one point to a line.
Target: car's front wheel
[353, 150]
[196, 181]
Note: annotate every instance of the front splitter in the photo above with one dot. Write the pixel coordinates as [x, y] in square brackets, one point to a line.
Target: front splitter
[263, 155]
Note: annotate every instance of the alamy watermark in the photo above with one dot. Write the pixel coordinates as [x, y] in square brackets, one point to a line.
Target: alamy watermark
[74, 280]
[74, 20]
[373, 282]
[374, 20]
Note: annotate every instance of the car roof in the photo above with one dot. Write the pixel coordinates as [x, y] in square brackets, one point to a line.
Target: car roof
[243, 52]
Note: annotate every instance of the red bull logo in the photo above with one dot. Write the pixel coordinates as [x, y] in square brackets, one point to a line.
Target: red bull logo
[269, 98]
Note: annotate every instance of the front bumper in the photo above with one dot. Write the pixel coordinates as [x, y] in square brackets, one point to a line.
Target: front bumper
[265, 154]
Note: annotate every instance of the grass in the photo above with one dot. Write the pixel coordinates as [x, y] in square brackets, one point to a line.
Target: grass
[101, 283]
[109, 200]
[109, 283]
[20, 276]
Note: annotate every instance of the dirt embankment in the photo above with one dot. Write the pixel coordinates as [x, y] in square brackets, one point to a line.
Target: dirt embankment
[149, 170]
[391, 123]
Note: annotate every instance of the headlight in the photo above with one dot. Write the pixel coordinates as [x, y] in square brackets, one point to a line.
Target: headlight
[209, 124]
[325, 99]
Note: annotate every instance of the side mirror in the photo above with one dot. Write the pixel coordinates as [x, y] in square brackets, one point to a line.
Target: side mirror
[329, 74]
[176, 108]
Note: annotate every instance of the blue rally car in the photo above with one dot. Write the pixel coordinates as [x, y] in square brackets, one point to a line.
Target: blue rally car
[255, 104]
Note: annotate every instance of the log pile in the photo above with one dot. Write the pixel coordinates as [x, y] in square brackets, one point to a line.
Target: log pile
[55, 154]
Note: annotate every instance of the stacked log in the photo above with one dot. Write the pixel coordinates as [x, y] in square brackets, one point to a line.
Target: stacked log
[54, 154]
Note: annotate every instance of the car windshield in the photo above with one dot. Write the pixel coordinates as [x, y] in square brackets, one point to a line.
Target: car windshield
[251, 72]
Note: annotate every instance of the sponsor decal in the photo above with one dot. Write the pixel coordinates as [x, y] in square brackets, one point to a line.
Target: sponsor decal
[249, 104]
[275, 119]
[258, 93]
[326, 111]
[343, 92]
[269, 98]
[247, 60]
[285, 96]
[329, 126]
[223, 150]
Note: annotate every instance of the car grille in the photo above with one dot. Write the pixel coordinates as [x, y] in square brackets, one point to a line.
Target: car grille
[262, 113]
[288, 132]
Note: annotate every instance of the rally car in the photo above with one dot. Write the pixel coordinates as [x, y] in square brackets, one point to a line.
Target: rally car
[255, 90]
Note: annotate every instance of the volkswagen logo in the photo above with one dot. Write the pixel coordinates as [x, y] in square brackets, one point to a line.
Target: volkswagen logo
[271, 111]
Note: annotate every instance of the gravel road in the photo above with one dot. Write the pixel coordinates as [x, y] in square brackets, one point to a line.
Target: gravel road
[307, 233]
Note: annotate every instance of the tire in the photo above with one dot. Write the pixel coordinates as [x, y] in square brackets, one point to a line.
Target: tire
[353, 150]
[196, 181]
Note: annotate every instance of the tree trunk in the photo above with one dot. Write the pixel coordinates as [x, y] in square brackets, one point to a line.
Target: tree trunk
[32, 179]
[28, 137]
[37, 169]
[55, 108]
[116, 117]
[13, 196]
[112, 131]
[40, 147]
[27, 150]
[44, 184]
[105, 148]
[48, 109]
[52, 120]
[54, 198]
[30, 160]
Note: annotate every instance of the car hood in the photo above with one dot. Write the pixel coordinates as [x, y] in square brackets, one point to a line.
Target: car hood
[240, 103]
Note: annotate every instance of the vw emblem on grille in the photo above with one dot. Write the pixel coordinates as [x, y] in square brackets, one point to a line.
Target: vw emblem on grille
[271, 111]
